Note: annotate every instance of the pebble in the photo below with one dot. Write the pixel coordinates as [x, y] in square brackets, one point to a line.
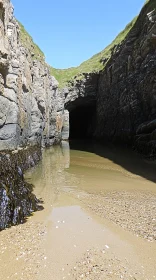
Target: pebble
[96, 266]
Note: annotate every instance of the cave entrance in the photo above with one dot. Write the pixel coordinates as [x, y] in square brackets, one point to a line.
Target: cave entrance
[82, 121]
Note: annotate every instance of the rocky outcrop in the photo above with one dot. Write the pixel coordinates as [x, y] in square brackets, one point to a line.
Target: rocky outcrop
[116, 104]
[16, 198]
[80, 101]
[117, 100]
[81, 92]
[125, 91]
[31, 115]
[30, 102]
[126, 96]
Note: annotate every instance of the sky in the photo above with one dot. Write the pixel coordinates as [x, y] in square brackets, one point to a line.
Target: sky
[70, 32]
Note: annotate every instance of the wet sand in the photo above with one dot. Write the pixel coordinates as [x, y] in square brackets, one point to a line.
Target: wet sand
[98, 222]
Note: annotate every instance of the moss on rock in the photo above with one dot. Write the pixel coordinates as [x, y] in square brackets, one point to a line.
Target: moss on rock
[16, 198]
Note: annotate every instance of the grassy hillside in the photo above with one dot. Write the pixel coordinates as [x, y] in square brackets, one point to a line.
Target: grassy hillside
[94, 64]
[28, 43]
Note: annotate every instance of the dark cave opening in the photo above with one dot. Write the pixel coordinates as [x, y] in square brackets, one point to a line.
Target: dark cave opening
[82, 121]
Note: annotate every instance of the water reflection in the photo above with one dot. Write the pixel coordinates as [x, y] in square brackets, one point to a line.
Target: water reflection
[68, 180]
[89, 167]
[66, 153]
[50, 174]
[120, 155]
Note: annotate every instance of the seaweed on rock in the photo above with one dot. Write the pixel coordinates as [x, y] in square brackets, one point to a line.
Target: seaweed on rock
[16, 198]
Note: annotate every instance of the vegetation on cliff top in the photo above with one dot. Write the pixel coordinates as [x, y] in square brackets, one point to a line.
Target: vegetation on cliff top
[94, 64]
[28, 43]
[98, 61]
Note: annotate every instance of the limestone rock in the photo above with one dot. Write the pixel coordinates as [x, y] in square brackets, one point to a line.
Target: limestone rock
[30, 101]
[65, 128]
[124, 92]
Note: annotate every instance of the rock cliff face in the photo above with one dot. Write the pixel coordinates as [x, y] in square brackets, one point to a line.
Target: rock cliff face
[31, 107]
[124, 92]
[111, 104]
[16, 198]
[116, 104]
[126, 95]
[80, 101]
[31, 115]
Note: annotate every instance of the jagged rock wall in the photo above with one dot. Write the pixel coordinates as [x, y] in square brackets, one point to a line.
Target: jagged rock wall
[125, 91]
[81, 92]
[80, 101]
[31, 107]
[16, 198]
[126, 97]
[31, 114]
[126, 94]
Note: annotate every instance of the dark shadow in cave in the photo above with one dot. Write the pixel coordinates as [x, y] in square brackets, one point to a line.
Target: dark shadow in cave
[82, 121]
[82, 127]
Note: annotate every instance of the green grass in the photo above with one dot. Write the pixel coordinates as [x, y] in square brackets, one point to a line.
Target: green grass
[94, 64]
[28, 43]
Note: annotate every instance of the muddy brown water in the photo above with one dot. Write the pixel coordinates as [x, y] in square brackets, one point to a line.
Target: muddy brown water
[76, 235]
